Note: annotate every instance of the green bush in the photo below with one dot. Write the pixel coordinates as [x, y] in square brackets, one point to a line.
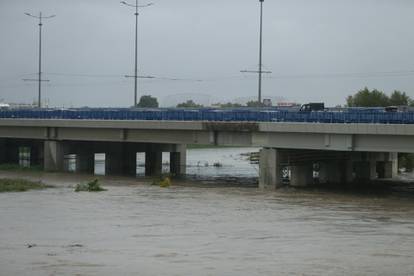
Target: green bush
[20, 185]
[92, 186]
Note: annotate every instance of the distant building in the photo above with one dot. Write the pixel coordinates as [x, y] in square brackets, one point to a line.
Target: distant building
[4, 106]
[287, 104]
[267, 102]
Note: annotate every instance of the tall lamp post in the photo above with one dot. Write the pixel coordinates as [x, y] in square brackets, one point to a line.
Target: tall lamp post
[135, 76]
[260, 71]
[260, 51]
[39, 79]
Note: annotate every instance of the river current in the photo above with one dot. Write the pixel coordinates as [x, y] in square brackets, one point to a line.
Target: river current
[197, 228]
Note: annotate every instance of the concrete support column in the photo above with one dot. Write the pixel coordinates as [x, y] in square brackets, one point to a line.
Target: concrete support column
[365, 170]
[12, 152]
[113, 163]
[36, 154]
[347, 171]
[178, 161]
[120, 159]
[330, 172]
[270, 171]
[389, 167]
[3, 153]
[54, 152]
[130, 161]
[85, 162]
[301, 175]
[153, 163]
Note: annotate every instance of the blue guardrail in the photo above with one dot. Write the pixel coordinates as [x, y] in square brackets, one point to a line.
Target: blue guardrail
[345, 116]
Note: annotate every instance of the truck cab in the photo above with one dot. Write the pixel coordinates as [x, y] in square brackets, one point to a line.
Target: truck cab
[312, 107]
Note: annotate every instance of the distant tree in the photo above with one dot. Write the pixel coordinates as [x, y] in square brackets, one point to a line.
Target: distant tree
[189, 104]
[255, 104]
[148, 101]
[399, 98]
[367, 98]
[228, 105]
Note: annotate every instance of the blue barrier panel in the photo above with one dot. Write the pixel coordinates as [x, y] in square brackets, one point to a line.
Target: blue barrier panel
[354, 115]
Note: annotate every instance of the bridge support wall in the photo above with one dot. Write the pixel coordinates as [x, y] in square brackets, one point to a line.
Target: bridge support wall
[3, 151]
[178, 161]
[153, 163]
[85, 162]
[270, 169]
[330, 172]
[54, 154]
[301, 175]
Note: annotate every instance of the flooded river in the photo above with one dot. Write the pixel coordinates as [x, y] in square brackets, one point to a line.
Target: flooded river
[195, 229]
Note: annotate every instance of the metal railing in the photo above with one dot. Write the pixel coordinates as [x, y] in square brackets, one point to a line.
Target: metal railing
[344, 116]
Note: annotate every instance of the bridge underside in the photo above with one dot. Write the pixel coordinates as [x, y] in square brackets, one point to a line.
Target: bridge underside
[120, 158]
[300, 167]
[336, 152]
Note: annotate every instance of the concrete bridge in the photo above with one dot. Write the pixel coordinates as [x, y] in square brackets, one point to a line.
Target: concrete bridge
[344, 152]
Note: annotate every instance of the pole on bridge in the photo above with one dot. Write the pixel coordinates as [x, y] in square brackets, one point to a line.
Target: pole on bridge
[260, 71]
[135, 76]
[39, 79]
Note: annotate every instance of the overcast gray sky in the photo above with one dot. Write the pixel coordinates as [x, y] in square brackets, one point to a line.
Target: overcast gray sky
[318, 50]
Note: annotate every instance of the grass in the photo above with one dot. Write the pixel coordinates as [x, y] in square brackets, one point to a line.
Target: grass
[20, 185]
[17, 167]
[163, 182]
[92, 186]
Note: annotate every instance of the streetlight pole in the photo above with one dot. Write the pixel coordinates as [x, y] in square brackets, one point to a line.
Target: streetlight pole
[260, 51]
[39, 80]
[260, 71]
[135, 76]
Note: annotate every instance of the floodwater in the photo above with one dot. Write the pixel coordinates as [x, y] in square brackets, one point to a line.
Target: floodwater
[194, 229]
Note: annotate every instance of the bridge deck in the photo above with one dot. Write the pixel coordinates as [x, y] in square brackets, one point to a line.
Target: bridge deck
[370, 116]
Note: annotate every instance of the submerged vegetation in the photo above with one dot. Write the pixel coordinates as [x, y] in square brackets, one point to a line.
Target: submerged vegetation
[92, 186]
[17, 167]
[20, 185]
[163, 182]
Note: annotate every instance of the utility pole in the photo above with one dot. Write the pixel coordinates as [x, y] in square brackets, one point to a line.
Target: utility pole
[135, 76]
[39, 79]
[260, 71]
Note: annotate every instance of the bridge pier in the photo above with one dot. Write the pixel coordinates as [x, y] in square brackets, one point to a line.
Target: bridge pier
[121, 159]
[54, 154]
[3, 151]
[153, 163]
[85, 162]
[178, 160]
[270, 169]
[301, 175]
[21, 152]
[330, 172]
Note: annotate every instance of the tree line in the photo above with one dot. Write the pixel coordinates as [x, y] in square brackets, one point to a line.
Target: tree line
[377, 98]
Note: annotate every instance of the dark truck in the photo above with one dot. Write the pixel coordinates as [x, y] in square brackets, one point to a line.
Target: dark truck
[312, 107]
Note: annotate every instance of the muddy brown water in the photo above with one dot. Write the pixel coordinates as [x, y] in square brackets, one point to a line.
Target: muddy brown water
[190, 229]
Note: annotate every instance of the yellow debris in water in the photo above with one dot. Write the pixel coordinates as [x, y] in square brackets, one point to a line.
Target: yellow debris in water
[165, 183]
